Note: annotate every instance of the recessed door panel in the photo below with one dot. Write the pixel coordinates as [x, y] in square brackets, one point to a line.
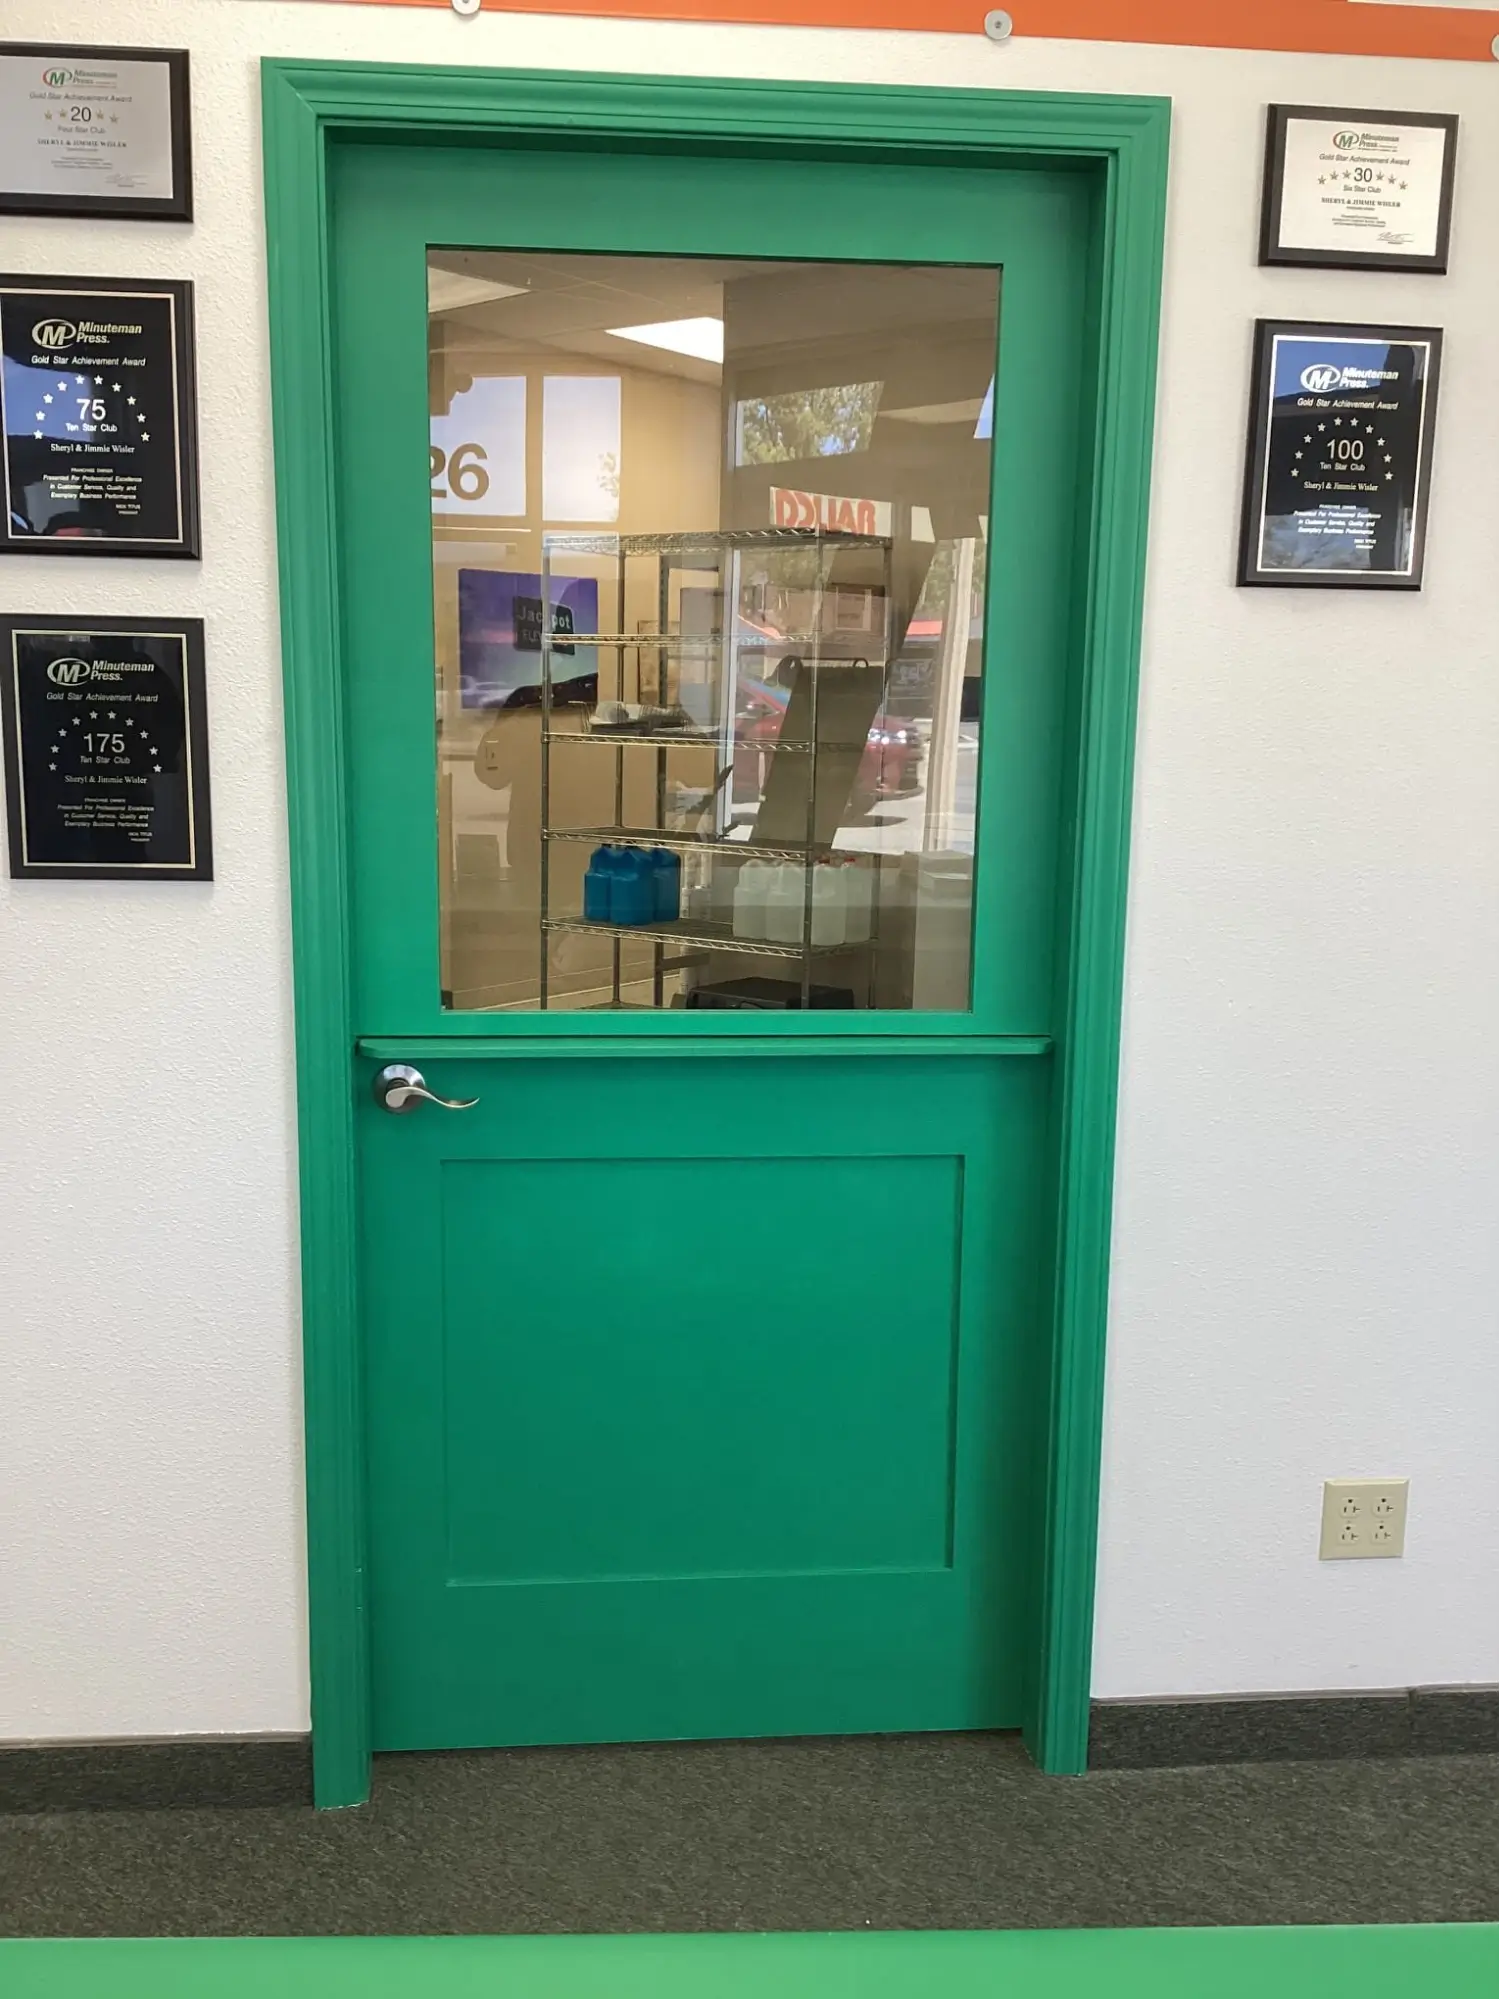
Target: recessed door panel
[747, 1367]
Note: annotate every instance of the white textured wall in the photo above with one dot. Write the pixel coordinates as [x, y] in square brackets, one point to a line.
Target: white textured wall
[1303, 1278]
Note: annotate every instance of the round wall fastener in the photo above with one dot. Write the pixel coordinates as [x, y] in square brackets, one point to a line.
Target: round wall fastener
[468, 8]
[997, 25]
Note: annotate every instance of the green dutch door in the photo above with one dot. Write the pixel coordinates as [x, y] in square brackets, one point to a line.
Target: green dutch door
[707, 524]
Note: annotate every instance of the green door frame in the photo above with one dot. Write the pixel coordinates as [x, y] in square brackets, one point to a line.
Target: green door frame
[1121, 142]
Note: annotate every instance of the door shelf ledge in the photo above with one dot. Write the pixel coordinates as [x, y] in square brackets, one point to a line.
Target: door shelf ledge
[701, 843]
[680, 1046]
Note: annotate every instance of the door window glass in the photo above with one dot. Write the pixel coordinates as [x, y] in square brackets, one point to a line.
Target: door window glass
[581, 448]
[709, 549]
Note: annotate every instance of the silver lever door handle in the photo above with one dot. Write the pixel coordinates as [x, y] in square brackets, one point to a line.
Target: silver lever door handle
[399, 1087]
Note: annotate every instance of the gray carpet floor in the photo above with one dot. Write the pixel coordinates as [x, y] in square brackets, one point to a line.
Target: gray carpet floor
[930, 1832]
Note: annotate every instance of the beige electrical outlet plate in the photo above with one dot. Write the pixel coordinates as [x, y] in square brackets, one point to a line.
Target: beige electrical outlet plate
[1364, 1519]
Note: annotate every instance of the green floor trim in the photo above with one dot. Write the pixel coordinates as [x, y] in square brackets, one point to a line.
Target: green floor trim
[1447, 1961]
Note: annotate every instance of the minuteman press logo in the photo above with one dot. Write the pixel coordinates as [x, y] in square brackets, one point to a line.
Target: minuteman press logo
[57, 79]
[1324, 376]
[1350, 142]
[54, 333]
[68, 672]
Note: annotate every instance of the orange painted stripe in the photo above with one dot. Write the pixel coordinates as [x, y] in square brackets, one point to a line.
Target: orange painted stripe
[1311, 27]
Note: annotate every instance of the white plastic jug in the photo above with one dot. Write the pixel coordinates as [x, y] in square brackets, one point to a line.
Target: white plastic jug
[751, 891]
[724, 880]
[830, 905]
[859, 894]
[786, 904]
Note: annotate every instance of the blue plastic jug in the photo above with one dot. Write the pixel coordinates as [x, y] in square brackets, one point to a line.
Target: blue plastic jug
[599, 883]
[633, 887]
[666, 872]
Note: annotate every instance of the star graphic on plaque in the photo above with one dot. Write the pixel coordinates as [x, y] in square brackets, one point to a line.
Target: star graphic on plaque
[92, 409]
[111, 744]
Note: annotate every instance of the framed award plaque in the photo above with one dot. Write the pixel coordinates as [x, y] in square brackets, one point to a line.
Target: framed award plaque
[106, 749]
[89, 131]
[97, 417]
[1358, 190]
[1340, 455]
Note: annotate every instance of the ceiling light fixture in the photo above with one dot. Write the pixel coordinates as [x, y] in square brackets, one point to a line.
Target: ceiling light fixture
[701, 339]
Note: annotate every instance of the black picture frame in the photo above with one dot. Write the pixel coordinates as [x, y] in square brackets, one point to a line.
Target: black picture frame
[1411, 455]
[199, 865]
[1273, 251]
[186, 543]
[175, 207]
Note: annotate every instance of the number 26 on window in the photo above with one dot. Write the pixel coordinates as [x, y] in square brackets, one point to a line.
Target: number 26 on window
[467, 478]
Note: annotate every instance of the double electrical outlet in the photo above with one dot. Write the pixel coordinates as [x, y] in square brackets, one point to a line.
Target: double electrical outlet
[1363, 1519]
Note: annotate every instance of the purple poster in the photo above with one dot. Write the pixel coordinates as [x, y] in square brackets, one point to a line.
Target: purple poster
[500, 637]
